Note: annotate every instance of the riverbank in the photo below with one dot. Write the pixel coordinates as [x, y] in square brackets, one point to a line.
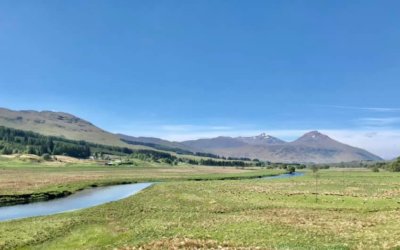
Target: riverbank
[9, 200]
[81, 200]
[21, 185]
[92, 197]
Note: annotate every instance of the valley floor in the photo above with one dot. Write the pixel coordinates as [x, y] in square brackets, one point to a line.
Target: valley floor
[354, 210]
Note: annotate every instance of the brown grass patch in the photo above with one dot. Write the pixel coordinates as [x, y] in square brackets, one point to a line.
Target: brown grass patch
[186, 243]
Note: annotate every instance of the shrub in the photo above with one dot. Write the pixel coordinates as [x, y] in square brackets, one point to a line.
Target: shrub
[375, 169]
[46, 157]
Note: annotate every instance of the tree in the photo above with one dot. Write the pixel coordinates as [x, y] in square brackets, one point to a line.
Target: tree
[31, 150]
[315, 171]
[291, 169]
[300, 166]
[395, 166]
[50, 145]
[7, 151]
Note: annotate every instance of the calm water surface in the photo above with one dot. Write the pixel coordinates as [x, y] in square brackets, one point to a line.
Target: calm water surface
[82, 199]
[295, 174]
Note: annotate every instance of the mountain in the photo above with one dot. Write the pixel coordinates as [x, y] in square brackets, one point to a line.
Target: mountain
[214, 143]
[157, 143]
[311, 147]
[262, 139]
[58, 124]
[315, 138]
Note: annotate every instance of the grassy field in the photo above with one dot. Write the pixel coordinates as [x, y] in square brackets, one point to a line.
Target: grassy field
[355, 209]
[22, 181]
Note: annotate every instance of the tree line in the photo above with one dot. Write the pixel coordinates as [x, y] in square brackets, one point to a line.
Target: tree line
[393, 166]
[14, 141]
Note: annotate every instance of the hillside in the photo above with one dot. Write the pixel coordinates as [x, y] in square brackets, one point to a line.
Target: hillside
[157, 143]
[262, 139]
[15, 141]
[311, 147]
[58, 124]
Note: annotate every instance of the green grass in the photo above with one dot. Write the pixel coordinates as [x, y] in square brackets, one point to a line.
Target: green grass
[355, 210]
[22, 181]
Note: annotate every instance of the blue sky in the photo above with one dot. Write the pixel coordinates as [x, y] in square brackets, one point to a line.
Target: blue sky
[190, 69]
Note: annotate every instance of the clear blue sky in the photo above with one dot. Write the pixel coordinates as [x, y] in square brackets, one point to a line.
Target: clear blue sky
[188, 69]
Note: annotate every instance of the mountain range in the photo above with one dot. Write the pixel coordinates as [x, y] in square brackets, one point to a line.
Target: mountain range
[311, 147]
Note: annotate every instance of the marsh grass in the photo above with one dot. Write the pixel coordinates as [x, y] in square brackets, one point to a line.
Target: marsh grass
[20, 177]
[358, 210]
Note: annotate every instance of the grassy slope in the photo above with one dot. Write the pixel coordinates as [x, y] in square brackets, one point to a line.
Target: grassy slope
[356, 209]
[59, 124]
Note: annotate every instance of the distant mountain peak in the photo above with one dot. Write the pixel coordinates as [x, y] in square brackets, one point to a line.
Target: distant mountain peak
[311, 147]
[261, 139]
[264, 136]
[314, 132]
[314, 135]
[316, 138]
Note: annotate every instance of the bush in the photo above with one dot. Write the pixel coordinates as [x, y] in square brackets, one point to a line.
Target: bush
[46, 157]
[394, 166]
[301, 166]
[314, 169]
[324, 167]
